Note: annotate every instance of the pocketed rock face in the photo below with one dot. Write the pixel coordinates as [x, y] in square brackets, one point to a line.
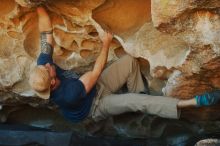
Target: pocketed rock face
[173, 35]
[13, 54]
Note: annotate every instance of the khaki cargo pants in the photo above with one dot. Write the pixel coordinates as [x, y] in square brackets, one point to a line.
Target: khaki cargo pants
[127, 70]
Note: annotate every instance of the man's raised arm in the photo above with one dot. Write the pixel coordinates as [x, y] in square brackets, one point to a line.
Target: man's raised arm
[90, 78]
[45, 28]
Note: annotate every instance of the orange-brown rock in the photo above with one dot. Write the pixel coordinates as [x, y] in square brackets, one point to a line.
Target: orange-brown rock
[123, 18]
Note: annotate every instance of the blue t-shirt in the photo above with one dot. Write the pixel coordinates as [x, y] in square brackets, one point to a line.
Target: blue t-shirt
[70, 95]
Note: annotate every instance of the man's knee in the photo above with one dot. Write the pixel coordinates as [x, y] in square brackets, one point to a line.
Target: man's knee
[131, 60]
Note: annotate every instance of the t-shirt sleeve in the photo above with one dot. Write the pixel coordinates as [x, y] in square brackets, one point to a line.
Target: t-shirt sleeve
[44, 59]
[74, 91]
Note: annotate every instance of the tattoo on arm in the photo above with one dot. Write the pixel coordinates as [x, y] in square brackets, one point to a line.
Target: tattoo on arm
[45, 46]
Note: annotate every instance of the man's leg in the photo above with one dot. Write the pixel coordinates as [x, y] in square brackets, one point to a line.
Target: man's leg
[132, 102]
[124, 70]
[187, 103]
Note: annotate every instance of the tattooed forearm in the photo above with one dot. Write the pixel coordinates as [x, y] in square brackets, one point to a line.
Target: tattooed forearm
[45, 46]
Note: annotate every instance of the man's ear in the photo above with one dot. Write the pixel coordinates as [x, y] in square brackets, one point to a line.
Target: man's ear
[47, 65]
[52, 82]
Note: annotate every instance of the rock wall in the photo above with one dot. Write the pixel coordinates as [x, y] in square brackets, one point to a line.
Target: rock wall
[179, 39]
[197, 23]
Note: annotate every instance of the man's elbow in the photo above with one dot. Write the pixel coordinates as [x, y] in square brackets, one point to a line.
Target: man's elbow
[89, 79]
